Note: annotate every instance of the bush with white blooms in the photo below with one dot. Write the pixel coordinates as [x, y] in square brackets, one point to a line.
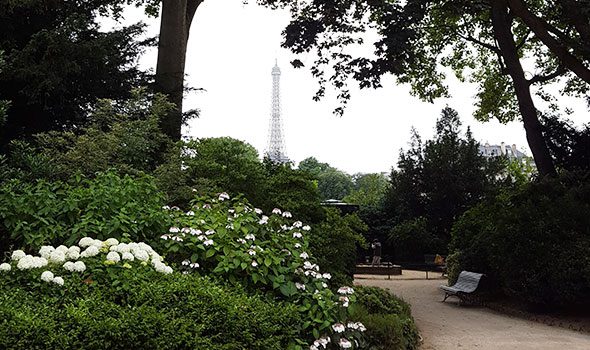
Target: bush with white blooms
[76, 259]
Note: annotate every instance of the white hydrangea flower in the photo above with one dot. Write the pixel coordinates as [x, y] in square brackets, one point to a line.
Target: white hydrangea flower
[251, 252]
[327, 276]
[304, 255]
[208, 242]
[57, 256]
[37, 262]
[324, 341]
[45, 251]
[62, 249]
[264, 220]
[209, 232]
[90, 252]
[223, 196]
[47, 276]
[141, 255]
[162, 268]
[287, 214]
[338, 327]
[345, 290]
[127, 256]
[5, 267]
[17, 255]
[190, 213]
[306, 228]
[79, 266]
[85, 242]
[254, 263]
[97, 243]
[276, 211]
[297, 224]
[111, 242]
[250, 237]
[73, 253]
[58, 280]
[344, 343]
[300, 286]
[344, 300]
[186, 262]
[297, 245]
[174, 230]
[69, 266]
[114, 257]
[297, 235]
[258, 211]
[241, 240]
[195, 232]
[194, 265]
[313, 347]
[123, 248]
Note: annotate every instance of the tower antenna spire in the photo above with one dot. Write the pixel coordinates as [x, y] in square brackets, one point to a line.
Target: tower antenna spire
[276, 145]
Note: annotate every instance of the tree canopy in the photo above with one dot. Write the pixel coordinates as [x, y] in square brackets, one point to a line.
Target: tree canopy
[58, 62]
[482, 41]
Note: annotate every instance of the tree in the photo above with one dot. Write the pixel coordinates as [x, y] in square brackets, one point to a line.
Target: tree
[369, 190]
[177, 17]
[485, 39]
[332, 183]
[58, 62]
[437, 181]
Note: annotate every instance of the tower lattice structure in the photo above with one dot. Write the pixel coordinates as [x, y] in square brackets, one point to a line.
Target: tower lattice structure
[276, 144]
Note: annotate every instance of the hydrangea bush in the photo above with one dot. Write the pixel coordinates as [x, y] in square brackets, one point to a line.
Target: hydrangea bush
[263, 252]
[91, 261]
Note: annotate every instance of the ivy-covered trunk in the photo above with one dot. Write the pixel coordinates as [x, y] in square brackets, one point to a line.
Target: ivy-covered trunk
[502, 31]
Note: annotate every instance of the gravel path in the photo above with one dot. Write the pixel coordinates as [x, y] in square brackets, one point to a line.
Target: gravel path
[450, 326]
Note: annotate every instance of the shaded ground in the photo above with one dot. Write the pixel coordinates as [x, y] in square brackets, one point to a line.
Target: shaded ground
[450, 326]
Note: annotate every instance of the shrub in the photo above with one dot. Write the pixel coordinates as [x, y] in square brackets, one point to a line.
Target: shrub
[155, 311]
[388, 319]
[534, 243]
[412, 238]
[107, 206]
[230, 239]
[334, 244]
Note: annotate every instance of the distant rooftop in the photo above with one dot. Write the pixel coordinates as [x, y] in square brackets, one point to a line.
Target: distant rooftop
[502, 149]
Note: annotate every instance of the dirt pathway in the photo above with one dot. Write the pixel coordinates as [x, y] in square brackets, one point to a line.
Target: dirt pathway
[450, 326]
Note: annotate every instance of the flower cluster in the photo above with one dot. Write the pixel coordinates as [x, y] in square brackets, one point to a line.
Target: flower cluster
[69, 258]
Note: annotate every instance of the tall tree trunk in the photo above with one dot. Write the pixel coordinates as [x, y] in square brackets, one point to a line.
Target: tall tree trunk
[175, 25]
[501, 22]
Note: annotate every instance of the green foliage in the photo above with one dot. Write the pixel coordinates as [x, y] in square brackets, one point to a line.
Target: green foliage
[412, 238]
[435, 183]
[160, 312]
[228, 164]
[59, 61]
[569, 146]
[332, 183]
[120, 135]
[45, 212]
[334, 243]
[230, 239]
[389, 321]
[534, 244]
[369, 190]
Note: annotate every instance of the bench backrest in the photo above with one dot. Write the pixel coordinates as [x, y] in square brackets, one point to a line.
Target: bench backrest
[468, 281]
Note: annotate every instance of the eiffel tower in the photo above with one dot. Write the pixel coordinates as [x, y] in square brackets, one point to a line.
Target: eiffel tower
[276, 145]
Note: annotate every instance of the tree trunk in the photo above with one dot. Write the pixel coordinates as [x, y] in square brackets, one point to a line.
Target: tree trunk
[175, 25]
[503, 33]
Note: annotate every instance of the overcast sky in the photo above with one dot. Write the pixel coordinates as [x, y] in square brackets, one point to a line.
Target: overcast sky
[231, 51]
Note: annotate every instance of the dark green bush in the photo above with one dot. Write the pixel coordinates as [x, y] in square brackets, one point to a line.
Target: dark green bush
[334, 244]
[388, 319]
[534, 244]
[33, 214]
[167, 312]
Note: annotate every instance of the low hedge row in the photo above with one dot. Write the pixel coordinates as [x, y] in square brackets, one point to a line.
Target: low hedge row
[166, 312]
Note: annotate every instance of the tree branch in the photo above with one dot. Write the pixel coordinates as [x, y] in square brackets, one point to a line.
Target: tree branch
[539, 27]
[544, 78]
[469, 38]
[191, 9]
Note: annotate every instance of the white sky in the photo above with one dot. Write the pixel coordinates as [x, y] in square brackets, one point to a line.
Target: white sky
[231, 51]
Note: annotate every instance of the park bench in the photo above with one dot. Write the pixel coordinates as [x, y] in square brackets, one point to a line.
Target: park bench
[464, 287]
[385, 268]
[432, 265]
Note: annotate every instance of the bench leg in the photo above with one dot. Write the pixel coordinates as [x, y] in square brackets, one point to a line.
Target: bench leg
[446, 296]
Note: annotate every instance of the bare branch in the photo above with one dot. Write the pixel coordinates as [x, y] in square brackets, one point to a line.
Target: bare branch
[544, 78]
